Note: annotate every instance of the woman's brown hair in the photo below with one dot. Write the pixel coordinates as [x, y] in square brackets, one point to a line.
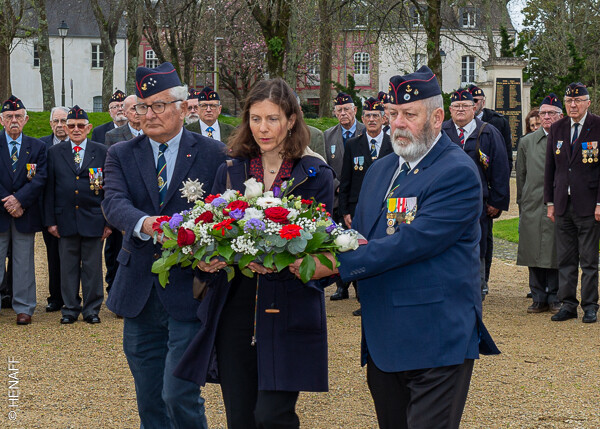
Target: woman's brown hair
[533, 113]
[277, 91]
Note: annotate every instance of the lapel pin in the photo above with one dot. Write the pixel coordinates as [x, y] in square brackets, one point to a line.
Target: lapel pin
[416, 171]
[189, 155]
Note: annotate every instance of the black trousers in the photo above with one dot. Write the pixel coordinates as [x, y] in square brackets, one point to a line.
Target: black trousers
[112, 247]
[246, 406]
[543, 283]
[489, 252]
[420, 399]
[53, 267]
[577, 245]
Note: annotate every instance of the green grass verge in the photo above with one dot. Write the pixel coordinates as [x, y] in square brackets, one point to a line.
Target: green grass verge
[507, 229]
[39, 122]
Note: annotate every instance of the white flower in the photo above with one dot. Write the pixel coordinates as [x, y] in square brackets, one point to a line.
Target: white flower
[251, 212]
[229, 195]
[268, 201]
[192, 190]
[347, 241]
[253, 188]
[268, 194]
[293, 214]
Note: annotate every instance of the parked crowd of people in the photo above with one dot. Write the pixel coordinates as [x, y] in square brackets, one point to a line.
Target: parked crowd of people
[421, 274]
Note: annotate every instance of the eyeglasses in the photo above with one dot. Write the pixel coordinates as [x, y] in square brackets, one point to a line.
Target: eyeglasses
[13, 117]
[116, 107]
[192, 108]
[577, 101]
[205, 106]
[343, 109]
[157, 108]
[372, 115]
[59, 121]
[80, 126]
[461, 106]
[551, 113]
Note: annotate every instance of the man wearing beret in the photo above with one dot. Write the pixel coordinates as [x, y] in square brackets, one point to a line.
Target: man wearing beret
[383, 99]
[537, 247]
[209, 108]
[192, 112]
[418, 272]
[483, 143]
[144, 178]
[117, 113]
[335, 142]
[73, 215]
[58, 123]
[572, 193]
[22, 179]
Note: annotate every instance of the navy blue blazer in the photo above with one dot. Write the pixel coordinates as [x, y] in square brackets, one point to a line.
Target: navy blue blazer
[69, 202]
[291, 345]
[99, 132]
[28, 192]
[131, 192]
[420, 287]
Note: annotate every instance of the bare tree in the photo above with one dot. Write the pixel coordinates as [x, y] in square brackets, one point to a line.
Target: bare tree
[43, 48]
[11, 12]
[108, 24]
[135, 29]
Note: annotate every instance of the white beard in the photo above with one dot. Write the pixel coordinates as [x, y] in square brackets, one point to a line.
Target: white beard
[191, 119]
[417, 146]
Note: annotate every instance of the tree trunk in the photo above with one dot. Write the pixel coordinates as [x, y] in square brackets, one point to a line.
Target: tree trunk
[488, 23]
[134, 36]
[11, 13]
[46, 72]
[5, 86]
[432, 22]
[107, 73]
[326, 53]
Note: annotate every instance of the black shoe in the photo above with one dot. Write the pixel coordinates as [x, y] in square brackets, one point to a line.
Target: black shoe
[7, 301]
[529, 295]
[67, 320]
[340, 293]
[538, 307]
[53, 306]
[589, 316]
[92, 318]
[563, 315]
[357, 312]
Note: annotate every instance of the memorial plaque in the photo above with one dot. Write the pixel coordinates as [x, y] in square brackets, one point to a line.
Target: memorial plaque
[508, 103]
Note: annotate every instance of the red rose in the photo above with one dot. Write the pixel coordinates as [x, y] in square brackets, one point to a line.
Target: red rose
[307, 202]
[185, 237]
[210, 198]
[277, 214]
[222, 226]
[237, 204]
[290, 231]
[159, 220]
[206, 217]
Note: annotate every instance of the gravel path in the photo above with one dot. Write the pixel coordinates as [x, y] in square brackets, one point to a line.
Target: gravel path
[548, 375]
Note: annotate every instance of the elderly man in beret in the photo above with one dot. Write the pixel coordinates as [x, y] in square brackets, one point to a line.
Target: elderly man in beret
[143, 181]
[384, 100]
[537, 244]
[483, 143]
[73, 215]
[418, 273]
[117, 113]
[22, 179]
[208, 110]
[572, 194]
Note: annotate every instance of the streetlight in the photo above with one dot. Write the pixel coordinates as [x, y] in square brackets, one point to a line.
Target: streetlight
[216, 65]
[63, 30]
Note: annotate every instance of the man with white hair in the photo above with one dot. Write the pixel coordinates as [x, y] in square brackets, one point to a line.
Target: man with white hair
[418, 274]
[142, 182]
[22, 179]
[117, 113]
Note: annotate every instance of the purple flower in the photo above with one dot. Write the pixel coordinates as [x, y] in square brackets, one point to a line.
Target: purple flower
[236, 214]
[284, 186]
[277, 191]
[254, 224]
[175, 221]
[331, 227]
[218, 202]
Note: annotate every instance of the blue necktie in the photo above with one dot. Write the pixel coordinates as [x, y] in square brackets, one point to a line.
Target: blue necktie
[403, 172]
[373, 149]
[209, 132]
[386, 129]
[347, 135]
[161, 173]
[14, 155]
[575, 134]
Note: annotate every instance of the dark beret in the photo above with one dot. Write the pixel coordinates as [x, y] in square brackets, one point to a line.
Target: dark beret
[552, 100]
[476, 91]
[383, 97]
[576, 89]
[372, 104]
[208, 94]
[152, 81]
[77, 112]
[415, 86]
[192, 93]
[12, 104]
[461, 95]
[118, 96]
[342, 99]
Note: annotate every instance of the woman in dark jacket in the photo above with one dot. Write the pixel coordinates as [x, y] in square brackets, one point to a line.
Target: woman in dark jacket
[264, 339]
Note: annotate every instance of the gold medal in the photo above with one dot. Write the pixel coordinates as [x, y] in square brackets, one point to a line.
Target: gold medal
[332, 155]
[91, 187]
[584, 160]
[361, 168]
[77, 158]
[595, 159]
[558, 151]
[390, 230]
[96, 192]
[355, 167]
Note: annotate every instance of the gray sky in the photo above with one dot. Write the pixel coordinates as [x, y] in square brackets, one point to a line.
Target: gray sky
[514, 9]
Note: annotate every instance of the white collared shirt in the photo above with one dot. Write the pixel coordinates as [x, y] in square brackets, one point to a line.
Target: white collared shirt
[378, 141]
[216, 134]
[469, 128]
[134, 132]
[579, 129]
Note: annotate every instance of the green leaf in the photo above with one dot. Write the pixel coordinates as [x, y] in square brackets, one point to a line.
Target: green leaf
[230, 273]
[169, 244]
[171, 260]
[186, 263]
[325, 260]
[158, 266]
[318, 239]
[307, 268]
[225, 251]
[247, 272]
[200, 252]
[268, 262]
[163, 278]
[296, 245]
[284, 259]
[245, 260]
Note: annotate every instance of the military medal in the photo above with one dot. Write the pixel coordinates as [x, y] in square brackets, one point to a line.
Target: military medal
[361, 161]
[356, 162]
[595, 150]
[77, 157]
[332, 151]
[584, 152]
[558, 146]
[96, 179]
[31, 171]
[392, 206]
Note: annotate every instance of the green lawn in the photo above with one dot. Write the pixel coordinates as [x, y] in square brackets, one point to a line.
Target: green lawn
[507, 229]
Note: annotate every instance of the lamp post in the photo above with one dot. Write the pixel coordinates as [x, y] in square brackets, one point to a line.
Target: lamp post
[216, 65]
[63, 30]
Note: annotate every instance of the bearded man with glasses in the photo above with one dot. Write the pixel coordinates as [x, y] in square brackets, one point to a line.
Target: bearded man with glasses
[572, 194]
[117, 113]
[484, 144]
[144, 179]
[206, 106]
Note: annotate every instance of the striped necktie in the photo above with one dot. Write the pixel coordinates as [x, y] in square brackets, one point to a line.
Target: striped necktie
[373, 149]
[14, 155]
[161, 173]
[209, 132]
[346, 136]
[461, 136]
[575, 133]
